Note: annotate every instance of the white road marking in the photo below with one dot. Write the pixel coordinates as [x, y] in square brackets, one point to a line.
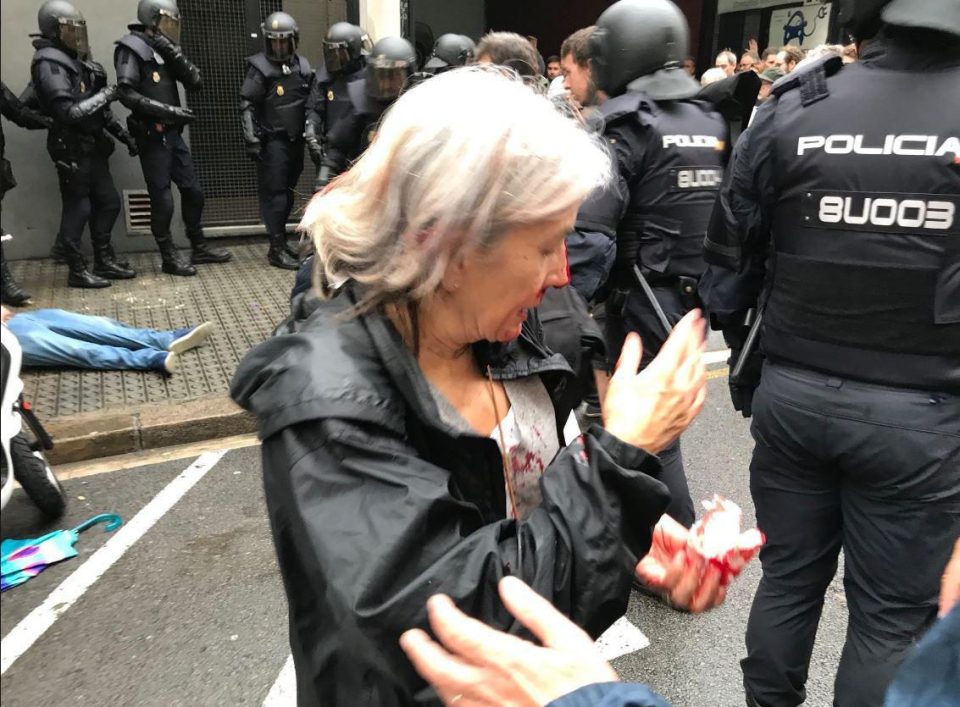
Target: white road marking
[622, 638]
[35, 624]
[711, 357]
[284, 690]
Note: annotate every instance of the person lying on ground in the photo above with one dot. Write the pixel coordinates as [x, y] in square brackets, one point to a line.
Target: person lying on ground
[58, 338]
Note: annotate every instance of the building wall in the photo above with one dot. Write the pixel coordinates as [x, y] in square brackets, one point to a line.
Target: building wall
[31, 211]
[442, 16]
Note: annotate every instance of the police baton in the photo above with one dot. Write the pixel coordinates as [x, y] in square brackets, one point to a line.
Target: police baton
[749, 344]
[648, 291]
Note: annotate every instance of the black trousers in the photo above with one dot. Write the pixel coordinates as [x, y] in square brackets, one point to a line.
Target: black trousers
[88, 196]
[866, 468]
[165, 158]
[628, 311]
[279, 169]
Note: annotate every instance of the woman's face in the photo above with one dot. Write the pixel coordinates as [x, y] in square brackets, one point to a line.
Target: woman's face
[493, 289]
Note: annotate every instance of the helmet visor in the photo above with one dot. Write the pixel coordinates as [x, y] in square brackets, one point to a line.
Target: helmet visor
[386, 78]
[280, 46]
[169, 27]
[336, 55]
[73, 35]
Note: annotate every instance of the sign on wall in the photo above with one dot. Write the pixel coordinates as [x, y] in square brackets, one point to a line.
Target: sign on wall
[726, 6]
[806, 26]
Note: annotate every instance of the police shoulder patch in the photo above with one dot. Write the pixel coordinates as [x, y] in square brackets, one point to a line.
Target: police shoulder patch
[810, 78]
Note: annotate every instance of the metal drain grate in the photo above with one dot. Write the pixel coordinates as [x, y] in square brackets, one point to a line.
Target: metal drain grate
[136, 210]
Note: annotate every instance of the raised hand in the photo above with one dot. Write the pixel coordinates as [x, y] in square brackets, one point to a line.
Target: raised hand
[651, 408]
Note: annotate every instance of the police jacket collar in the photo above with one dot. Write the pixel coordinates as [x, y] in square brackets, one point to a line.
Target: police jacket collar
[44, 43]
[911, 50]
[356, 367]
[670, 84]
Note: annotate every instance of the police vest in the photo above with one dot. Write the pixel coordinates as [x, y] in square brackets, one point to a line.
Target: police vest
[674, 189]
[57, 75]
[156, 81]
[865, 269]
[283, 109]
[367, 112]
[333, 93]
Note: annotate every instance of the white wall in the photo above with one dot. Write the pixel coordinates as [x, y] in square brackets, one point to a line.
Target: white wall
[380, 18]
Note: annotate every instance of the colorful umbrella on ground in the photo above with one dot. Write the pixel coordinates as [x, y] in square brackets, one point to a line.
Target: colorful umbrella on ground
[23, 559]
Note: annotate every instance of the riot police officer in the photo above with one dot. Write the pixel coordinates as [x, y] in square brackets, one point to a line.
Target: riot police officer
[149, 63]
[15, 111]
[72, 89]
[840, 215]
[669, 152]
[272, 109]
[345, 50]
[449, 52]
[390, 64]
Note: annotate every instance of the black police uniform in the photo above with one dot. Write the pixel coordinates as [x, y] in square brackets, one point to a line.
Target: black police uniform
[354, 131]
[148, 69]
[70, 92]
[842, 206]
[669, 158]
[14, 110]
[328, 103]
[277, 97]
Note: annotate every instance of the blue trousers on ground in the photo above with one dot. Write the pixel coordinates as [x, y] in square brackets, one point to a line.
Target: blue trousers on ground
[55, 337]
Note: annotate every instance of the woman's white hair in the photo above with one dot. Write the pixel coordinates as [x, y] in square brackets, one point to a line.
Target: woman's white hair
[456, 162]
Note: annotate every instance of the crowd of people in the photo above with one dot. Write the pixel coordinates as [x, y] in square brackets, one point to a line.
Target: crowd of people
[495, 240]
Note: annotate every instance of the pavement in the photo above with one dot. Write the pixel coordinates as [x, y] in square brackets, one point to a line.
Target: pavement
[187, 608]
[101, 413]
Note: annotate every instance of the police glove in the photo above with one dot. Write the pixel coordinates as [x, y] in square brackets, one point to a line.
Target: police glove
[741, 390]
[181, 115]
[253, 151]
[167, 49]
[131, 144]
[316, 152]
[324, 176]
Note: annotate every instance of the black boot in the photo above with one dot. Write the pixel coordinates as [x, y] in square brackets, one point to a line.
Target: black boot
[81, 277]
[105, 265]
[172, 262]
[12, 293]
[202, 252]
[278, 256]
[293, 250]
[125, 264]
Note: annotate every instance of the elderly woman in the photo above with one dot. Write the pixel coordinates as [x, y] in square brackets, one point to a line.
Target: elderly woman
[416, 434]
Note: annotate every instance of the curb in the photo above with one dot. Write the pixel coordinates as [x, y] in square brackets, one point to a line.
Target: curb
[108, 433]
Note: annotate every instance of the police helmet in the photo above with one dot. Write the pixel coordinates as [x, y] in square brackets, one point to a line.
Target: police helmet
[281, 36]
[639, 45]
[862, 18]
[162, 16]
[344, 48]
[61, 22]
[391, 62]
[450, 51]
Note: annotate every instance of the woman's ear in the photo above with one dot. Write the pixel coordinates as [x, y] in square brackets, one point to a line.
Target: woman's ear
[453, 276]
